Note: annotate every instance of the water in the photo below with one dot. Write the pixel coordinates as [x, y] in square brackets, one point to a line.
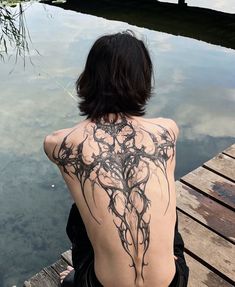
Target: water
[227, 6]
[194, 85]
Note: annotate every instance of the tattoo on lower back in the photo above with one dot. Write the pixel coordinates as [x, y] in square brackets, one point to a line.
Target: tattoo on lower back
[121, 167]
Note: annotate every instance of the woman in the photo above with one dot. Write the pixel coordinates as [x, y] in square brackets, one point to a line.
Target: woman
[119, 168]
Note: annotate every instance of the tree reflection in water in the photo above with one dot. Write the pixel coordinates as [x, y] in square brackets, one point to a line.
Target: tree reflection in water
[14, 34]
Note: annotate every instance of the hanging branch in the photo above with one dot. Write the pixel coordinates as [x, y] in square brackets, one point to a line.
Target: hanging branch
[14, 33]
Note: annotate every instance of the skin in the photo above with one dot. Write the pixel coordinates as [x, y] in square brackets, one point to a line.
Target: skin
[121, 176]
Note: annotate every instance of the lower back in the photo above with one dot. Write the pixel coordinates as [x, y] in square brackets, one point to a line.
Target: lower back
[115, 267]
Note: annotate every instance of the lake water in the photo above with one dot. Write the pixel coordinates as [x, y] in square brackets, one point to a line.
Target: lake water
[227, 6]
[194, 85]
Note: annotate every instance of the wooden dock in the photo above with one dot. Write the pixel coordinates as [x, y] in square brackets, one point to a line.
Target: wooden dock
[206, 205]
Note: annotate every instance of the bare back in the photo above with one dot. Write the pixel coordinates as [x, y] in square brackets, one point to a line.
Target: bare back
[121, 176]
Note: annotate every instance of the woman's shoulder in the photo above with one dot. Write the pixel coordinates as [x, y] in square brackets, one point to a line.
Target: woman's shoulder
[170, 123]
[55, 139]
[52, 140]
[166, 123]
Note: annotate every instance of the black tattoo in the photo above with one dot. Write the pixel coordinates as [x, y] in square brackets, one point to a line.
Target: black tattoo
[121, 167]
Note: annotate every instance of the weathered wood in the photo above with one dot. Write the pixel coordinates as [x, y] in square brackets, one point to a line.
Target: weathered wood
[67, 256]
[53, 275]
[230, 151]
[213, 185]
[207, 211]
[208, 246]
[223, 165]
[48, 276]
[41, 279]
[60, 266]
[200, 275]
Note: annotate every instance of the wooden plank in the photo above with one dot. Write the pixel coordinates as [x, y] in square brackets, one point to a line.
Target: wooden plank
[230, 151]
[207, 211]
[48, 276]
[52, 275]
[208, 246]
[200, 275]
[67, 256]
[223, 165]
[59, 266]
[41, 279]
[213, 185]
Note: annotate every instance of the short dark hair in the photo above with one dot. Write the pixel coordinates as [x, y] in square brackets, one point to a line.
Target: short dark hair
[117, 77]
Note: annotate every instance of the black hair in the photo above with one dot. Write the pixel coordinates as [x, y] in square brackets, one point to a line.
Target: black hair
[117, 77]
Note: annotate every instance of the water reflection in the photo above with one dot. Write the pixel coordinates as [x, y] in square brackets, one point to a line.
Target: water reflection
[14, 34]
[203, 24]
[194, 85]
[227, 6]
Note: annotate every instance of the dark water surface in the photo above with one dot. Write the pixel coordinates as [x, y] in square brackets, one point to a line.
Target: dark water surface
[194, 85]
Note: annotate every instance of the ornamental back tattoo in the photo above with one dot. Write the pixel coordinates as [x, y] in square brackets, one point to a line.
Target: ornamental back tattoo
[122, 169]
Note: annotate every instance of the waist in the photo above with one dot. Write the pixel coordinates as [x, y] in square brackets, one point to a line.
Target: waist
[120, 270]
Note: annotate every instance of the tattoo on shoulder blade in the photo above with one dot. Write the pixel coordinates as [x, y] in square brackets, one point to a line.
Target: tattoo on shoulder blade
[121, 167]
